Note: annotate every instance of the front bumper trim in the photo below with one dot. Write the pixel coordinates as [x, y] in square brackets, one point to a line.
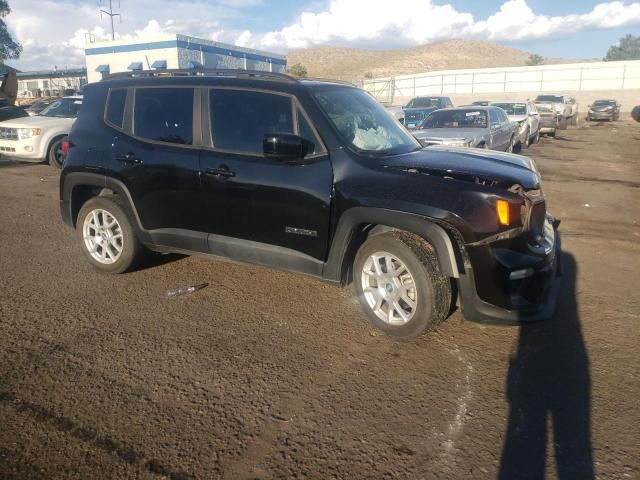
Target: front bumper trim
[477, 310]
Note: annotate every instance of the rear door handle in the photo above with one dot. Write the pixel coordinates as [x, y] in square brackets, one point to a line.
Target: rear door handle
[222, 171]
[128, 158]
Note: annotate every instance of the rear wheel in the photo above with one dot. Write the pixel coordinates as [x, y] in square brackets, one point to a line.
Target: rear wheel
[55, 155]
[106, 236]
[399, 284]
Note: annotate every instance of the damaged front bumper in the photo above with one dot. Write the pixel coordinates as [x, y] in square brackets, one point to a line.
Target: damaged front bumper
[513, 286]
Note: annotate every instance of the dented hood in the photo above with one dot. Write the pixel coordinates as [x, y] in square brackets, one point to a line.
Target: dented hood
[483, 166]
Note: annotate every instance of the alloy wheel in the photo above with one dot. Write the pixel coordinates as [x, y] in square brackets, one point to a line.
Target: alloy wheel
[102, 236]
[389, 288]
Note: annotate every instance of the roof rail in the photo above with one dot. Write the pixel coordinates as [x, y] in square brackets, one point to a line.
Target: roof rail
[204, 72]
[329, 80]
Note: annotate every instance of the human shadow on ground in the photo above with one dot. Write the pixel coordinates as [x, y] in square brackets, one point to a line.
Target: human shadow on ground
[549, 385]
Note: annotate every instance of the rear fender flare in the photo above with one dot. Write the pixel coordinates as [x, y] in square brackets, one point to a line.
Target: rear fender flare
[104, 185]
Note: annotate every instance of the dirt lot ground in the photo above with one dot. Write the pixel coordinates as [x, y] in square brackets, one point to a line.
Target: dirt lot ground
[272, 375]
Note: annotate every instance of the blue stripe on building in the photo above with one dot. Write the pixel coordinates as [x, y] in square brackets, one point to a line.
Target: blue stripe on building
[187, 46]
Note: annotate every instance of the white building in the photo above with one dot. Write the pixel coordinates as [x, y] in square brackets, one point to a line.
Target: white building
[175, 51]
[50, 83]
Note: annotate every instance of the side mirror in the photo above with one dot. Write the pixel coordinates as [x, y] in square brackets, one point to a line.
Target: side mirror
[286, 146]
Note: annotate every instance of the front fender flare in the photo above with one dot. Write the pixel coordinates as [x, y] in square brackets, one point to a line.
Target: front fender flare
[423, 226]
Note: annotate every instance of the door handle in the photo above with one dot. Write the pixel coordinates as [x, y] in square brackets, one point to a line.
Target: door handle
[128, 158]
[222, 171]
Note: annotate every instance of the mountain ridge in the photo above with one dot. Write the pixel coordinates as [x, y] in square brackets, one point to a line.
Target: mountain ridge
[344, 63]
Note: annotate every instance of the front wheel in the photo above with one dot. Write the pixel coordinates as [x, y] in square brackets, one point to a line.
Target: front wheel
[527, 139]
[511, 145]
[536, 139]
[399, 284]
[106, 236]
[55, 155]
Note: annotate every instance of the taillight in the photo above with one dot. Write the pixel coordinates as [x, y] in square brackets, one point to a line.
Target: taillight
[64, 146]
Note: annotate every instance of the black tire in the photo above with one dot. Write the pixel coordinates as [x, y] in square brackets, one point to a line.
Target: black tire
[527, 140]
[432, 288]
[562, 123]
[511, 147]
[536, 139]
[552, 134]
[131, 248]
[54, 152]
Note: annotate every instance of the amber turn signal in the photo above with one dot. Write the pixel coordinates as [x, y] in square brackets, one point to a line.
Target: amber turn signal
[502, 207]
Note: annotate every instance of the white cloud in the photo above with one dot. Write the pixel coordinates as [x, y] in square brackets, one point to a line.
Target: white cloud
[413, 22]
[516, 21]
[53, 32]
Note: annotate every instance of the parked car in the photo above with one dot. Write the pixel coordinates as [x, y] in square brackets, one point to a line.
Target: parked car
[481, 103]
[527, 117]
[36, 107]
[9, 112]
[604, 110]
[635, 113]
[566, 108]
[480, 127]
[39, 138]
[548, 118]
[312, 177]
[418, 108]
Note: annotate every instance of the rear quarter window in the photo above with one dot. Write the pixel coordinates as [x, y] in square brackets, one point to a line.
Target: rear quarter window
[114, 113]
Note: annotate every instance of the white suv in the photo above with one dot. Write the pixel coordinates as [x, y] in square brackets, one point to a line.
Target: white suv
[39, 138]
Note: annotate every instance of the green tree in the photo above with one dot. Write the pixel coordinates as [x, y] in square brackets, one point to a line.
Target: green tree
[535, 59]
[627, 49]
[297, 70]
[9, 48]
[368, 75]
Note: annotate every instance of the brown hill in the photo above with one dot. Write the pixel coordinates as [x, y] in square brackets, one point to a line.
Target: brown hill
[357, 63]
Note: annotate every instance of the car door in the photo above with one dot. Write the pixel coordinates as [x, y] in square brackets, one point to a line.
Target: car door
[534, 118]
[497, 133]
[154, 153]
[248, 197]
[507, 129]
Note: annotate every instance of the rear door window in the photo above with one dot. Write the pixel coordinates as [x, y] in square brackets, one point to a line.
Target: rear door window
[115, 107]
[493, 116]
[164, 115]
[241, 118]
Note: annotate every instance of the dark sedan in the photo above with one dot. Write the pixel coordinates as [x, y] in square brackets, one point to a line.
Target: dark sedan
[9, 112]
[604, 110]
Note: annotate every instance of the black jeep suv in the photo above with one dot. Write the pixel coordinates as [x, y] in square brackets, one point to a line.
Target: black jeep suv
[312, 177]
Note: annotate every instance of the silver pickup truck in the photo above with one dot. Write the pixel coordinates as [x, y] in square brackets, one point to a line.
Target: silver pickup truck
[566, 108]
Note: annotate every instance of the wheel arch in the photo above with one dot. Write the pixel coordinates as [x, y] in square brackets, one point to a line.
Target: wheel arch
[360, 223]
[78, 187]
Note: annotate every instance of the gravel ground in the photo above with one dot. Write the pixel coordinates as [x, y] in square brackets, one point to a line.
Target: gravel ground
[267, 374]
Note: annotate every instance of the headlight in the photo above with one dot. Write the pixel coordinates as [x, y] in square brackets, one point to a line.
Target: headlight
[459, 143]
[24, 133]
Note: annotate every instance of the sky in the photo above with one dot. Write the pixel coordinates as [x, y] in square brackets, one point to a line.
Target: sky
[54, 32]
